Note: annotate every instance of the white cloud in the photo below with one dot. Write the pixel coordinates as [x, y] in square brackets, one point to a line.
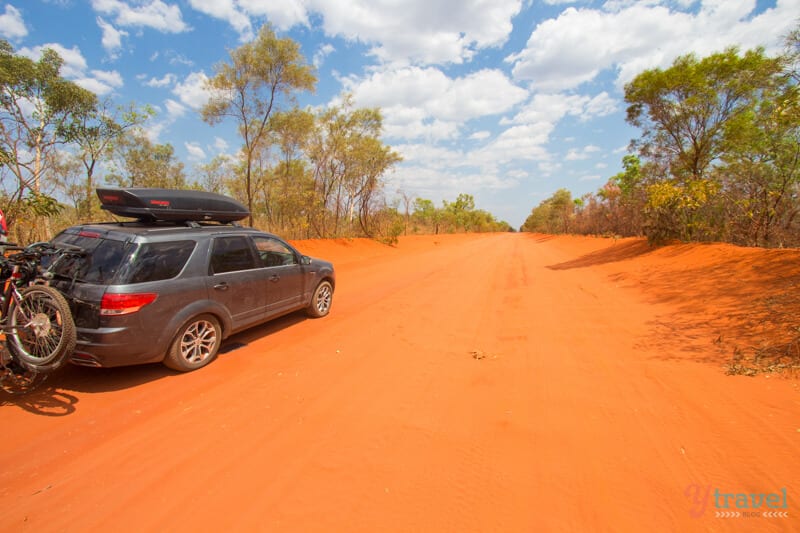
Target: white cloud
[154, 129]
[283, 15]
[109, 77]
[196, 153]
[165, 81]
[192, 90]
[600, 106]
[572, 49]
[153, 14]
[94, 85]
[518, 143]
[322, 52]
[11, 24]
[443, 31]
[480, 135]
[424, 102]
[101, 82]
[230, 12]
[575, 154]
[220, 144]
[544, 111]
[112, 38]
[177, 59]
[581, 154]
[548, 168]
[427, 182]
[239, 13]
[174, 109]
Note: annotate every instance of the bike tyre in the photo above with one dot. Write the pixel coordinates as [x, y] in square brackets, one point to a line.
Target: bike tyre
[47, 352]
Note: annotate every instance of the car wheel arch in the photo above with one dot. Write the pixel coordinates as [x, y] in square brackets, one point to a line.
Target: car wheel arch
[203, 307]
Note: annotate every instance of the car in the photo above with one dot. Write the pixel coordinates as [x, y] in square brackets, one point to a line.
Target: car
[170, 285]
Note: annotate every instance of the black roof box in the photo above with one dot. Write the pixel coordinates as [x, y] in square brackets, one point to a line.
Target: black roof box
[171, 205]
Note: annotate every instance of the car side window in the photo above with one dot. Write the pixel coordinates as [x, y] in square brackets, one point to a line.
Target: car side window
[229, 254]
[272, 252]
[157, 261]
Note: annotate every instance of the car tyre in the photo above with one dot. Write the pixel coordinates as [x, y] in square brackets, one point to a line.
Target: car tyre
[321, 300]
[195, 345]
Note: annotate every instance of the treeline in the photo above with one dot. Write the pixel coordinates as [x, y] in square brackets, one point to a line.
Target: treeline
[718, 158]
[453, 217]
[302, 173]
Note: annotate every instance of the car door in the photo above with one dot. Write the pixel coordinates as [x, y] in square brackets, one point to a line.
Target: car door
[236, 280]
[284, 272]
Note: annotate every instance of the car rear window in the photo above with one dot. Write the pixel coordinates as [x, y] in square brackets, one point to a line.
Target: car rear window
[100, 263]
[108, 261]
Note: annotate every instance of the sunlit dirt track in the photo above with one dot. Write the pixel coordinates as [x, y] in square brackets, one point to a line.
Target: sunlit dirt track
[507, 383]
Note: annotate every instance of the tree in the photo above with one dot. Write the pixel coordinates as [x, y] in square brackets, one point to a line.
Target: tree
[552, 215]
[215, 174]
[426, 214]
[261, 75]
[348, 161]
[287, 185]
[95, 134]
[38, 108]
[460, 211]
[686, 113]
[140, 163]
[407, 199]
[684, 109]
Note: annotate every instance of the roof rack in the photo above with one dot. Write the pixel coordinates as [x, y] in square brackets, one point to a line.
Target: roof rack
[171, 205]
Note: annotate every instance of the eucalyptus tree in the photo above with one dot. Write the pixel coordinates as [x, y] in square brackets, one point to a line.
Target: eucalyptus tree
[261, 76]
[215, 175]
[287, 185]
[38, 108]
[94, 136]
[349, 161]
[686, 113]
[138, 162]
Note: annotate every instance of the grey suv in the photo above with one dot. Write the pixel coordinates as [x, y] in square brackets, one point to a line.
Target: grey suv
[155, 290]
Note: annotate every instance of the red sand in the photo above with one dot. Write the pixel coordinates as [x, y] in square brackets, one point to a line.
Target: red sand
[461, 383]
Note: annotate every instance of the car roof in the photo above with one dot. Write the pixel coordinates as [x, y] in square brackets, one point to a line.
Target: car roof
[158, 230]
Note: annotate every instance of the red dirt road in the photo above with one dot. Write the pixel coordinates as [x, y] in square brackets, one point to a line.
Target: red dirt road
[507, 383]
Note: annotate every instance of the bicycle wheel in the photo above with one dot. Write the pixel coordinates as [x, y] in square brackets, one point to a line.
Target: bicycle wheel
[42, 333]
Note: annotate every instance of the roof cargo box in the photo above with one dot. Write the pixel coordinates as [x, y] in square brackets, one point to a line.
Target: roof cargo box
[171, 205]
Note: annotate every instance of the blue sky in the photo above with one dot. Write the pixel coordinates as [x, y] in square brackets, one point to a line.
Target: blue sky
[506, 100]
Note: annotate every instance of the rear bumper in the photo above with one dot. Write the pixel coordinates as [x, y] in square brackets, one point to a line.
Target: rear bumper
[110, 347]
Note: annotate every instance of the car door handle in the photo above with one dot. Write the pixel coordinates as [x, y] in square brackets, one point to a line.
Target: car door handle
[221, 286]
[274, 277]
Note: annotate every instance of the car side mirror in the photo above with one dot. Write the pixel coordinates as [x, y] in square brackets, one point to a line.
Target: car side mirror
[305, 260]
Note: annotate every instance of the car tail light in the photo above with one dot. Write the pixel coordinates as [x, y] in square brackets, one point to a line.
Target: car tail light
[124, 304]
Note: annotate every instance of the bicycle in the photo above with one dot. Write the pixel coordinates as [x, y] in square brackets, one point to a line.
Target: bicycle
[35, 319]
